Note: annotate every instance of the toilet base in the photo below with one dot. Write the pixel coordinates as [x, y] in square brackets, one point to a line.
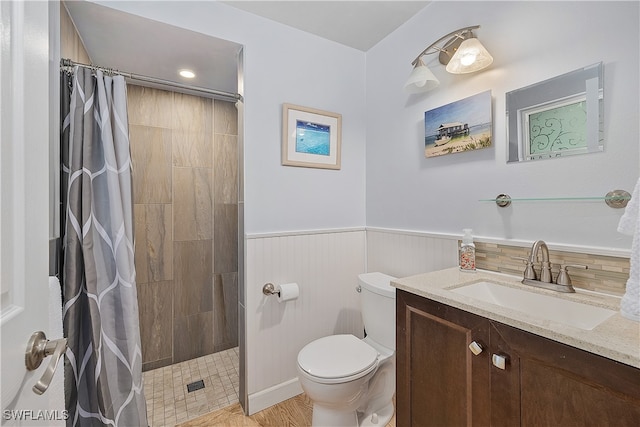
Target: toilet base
[379, 419]
[325, 417]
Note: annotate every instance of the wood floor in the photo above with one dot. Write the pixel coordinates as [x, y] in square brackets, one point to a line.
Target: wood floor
[295, 412]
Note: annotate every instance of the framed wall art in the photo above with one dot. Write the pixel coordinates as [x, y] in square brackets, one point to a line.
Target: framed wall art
[460, 126]
[310, 137]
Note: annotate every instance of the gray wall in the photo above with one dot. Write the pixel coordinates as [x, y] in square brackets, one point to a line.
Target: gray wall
[530, 42]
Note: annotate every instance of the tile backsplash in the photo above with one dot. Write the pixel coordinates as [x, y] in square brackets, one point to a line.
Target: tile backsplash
[606, 274]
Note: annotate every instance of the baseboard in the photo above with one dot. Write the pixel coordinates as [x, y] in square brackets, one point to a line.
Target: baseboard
[273, 395]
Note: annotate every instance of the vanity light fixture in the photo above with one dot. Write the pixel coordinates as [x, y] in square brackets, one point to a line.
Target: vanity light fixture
[461, 52]
[187, 74]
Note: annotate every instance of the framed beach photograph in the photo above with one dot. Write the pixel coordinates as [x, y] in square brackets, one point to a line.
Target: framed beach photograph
[310, 138]
[464, 125]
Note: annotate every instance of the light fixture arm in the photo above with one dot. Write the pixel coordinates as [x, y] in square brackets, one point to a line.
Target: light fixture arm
[457, 33]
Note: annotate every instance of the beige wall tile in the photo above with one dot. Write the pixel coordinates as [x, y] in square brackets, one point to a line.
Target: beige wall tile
[192, 112]
[192, 148]
[151, 158]
[193, 336]
[225, 240]
[192, 277]
[225, 311]
[192, 122]
[226, 169]
[225, 117]
[154, 242]
[192, 208]
[149, 107]
[155, 308]
[148, 366]
[140, 258]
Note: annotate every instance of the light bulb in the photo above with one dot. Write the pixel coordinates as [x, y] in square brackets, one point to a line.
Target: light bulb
[468, 58]
[471, 56]
[188, 74]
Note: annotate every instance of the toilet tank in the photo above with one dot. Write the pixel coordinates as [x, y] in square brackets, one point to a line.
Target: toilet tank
[378, 306]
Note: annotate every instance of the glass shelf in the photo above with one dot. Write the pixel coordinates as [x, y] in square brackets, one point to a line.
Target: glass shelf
[616, 199]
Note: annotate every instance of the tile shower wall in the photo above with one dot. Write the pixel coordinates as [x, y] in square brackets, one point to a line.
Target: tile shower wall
[184, 151]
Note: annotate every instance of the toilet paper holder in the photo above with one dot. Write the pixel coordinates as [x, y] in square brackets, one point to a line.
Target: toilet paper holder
[269, 289]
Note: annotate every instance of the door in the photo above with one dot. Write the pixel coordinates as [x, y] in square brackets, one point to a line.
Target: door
[24, 207]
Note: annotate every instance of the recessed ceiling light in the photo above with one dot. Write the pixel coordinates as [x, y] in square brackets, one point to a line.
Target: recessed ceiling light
[187, 74]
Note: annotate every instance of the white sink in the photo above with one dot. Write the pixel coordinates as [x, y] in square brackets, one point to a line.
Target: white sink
[546, 307]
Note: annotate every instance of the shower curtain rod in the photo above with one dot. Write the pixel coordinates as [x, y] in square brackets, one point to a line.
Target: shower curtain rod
[216, 93]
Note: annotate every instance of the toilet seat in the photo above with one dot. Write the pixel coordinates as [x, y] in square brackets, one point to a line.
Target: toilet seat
[337, 358]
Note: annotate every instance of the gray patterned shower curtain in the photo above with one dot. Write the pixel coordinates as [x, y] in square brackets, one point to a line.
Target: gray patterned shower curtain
[103, 368]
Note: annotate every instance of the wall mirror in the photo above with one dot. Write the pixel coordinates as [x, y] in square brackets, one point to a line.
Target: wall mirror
[558, 117]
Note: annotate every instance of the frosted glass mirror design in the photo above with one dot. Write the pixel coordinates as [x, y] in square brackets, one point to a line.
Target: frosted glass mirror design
[558, 117]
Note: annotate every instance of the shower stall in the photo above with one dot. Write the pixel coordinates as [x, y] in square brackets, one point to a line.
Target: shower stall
[186, 159]
[185, 186]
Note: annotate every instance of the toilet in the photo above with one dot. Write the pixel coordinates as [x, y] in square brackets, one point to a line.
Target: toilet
[351, 381]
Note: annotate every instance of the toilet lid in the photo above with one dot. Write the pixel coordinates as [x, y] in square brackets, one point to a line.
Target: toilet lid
[336, 356]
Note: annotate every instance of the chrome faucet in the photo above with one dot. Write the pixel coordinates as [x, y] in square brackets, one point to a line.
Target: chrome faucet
[546, 281]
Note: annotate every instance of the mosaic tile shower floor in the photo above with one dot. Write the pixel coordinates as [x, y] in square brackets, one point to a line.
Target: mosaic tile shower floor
[168, 401]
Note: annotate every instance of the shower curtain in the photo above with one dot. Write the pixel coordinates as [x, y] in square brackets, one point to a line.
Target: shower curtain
[103, 368]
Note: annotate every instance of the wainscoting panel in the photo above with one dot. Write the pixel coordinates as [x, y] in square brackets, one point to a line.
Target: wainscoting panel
[325, 265]
[402, 254]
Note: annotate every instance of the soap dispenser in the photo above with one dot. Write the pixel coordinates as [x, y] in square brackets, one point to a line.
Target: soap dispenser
[467, 252]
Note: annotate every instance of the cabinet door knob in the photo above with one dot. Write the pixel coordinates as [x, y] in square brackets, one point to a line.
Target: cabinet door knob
[499, 361]
[475, 348]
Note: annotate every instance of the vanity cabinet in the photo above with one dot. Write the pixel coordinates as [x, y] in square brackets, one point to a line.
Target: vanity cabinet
[441, 382]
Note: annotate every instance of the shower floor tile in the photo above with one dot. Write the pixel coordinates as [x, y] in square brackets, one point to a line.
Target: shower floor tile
[169, 402]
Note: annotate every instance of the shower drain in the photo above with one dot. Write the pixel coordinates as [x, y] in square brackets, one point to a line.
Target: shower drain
[196, 385]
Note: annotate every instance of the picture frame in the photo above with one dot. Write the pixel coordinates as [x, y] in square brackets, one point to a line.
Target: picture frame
[310, 137]
[463, 125]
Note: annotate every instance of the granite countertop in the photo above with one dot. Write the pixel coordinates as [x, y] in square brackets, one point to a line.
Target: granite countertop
[616, 338]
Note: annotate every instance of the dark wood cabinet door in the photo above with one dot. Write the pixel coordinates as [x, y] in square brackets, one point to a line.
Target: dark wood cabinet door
[564, 386]
[505, 383]
[440, 382]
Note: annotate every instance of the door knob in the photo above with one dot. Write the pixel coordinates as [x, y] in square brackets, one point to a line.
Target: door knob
[475, 348]
[499, 361]
[38, 348]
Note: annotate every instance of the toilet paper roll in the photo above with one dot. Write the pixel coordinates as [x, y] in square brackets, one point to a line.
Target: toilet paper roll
[288, 292]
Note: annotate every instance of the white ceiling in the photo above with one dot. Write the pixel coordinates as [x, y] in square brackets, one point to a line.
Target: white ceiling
[129, 43]
[359, 24]
[132, 44]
